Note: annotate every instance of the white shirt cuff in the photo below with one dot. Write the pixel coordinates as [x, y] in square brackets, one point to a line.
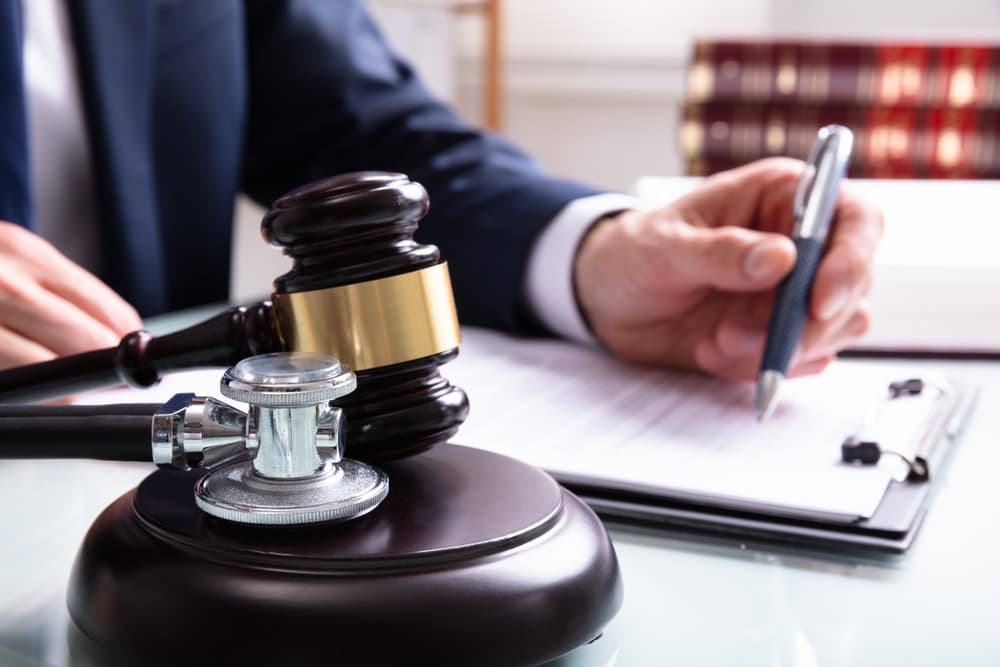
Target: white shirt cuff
[549, 282]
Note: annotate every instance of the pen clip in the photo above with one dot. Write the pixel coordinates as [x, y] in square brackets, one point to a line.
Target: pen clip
[834, 140]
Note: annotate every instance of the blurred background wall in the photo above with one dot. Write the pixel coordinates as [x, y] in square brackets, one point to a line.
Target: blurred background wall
[593, 88]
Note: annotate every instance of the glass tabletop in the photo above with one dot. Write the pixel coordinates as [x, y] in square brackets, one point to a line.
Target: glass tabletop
[693, 602]
[688, 600]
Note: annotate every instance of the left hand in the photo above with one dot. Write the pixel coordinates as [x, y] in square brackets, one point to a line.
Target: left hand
[691, 285]
[50, 306]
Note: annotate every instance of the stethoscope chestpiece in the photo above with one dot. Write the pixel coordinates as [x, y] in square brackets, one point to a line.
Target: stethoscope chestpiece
[298, 474]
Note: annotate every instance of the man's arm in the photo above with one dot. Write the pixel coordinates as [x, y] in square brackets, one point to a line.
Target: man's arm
[688, 285]
[328, 96]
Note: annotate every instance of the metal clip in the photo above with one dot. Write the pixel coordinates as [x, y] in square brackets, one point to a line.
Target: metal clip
[864, 449]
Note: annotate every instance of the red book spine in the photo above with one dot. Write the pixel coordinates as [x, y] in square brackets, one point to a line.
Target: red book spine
[890, 142]
[816, 73]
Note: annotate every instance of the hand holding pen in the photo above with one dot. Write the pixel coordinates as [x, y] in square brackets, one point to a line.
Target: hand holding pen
[692, 284]
[813, 210]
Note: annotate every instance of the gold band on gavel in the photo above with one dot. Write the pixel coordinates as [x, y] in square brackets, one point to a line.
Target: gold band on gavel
[374, 323]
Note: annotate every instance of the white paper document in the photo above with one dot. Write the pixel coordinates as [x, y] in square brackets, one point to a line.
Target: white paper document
[589, 418]
[586, 417]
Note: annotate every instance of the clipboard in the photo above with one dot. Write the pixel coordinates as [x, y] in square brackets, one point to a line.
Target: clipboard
[682, 452]
[941, 406]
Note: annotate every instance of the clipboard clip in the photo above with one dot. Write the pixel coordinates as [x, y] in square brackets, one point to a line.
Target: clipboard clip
[865, 451]
[868, 452]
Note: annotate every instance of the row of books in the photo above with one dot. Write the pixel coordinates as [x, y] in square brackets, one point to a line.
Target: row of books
[818, 73]
[917, 110]
[890, 142]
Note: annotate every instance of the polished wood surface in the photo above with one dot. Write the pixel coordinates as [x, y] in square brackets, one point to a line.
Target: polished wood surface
[353, 228]
[141, 359]
[473, 558]
[347, 229]
[339, 231]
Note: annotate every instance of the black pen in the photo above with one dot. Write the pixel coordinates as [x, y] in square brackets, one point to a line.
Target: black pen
[813, 207]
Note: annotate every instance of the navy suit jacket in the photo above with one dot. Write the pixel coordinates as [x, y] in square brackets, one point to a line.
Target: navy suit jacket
[190, 101]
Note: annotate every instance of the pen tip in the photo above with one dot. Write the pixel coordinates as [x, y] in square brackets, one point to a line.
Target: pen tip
[768, 386]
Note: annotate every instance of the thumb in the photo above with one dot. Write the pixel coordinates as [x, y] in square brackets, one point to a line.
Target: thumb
[730, 258]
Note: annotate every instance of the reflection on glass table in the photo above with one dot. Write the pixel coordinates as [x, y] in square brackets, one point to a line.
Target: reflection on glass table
[688, 599]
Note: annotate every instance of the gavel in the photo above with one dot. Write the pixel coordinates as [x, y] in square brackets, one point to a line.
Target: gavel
[331, 519]
[360, 289]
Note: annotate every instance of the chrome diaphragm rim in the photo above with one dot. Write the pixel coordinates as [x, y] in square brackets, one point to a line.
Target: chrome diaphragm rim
[338, 492]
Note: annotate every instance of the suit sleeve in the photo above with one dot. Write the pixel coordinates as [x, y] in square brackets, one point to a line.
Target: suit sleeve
[328, 96]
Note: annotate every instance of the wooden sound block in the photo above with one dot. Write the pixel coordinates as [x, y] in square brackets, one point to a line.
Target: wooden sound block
[473, 559]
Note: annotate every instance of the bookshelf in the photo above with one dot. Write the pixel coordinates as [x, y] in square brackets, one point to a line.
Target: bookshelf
[918, 109]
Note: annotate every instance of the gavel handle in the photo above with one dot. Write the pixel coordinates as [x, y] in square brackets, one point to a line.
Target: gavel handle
[107, 432]
[140, 359]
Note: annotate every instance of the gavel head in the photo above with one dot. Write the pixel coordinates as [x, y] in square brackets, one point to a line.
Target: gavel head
[361, 289]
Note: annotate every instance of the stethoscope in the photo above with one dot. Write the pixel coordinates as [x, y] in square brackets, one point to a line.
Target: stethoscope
[279, 463]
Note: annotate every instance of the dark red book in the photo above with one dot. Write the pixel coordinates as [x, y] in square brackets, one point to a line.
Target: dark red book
[847, 74]
[890, 142]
